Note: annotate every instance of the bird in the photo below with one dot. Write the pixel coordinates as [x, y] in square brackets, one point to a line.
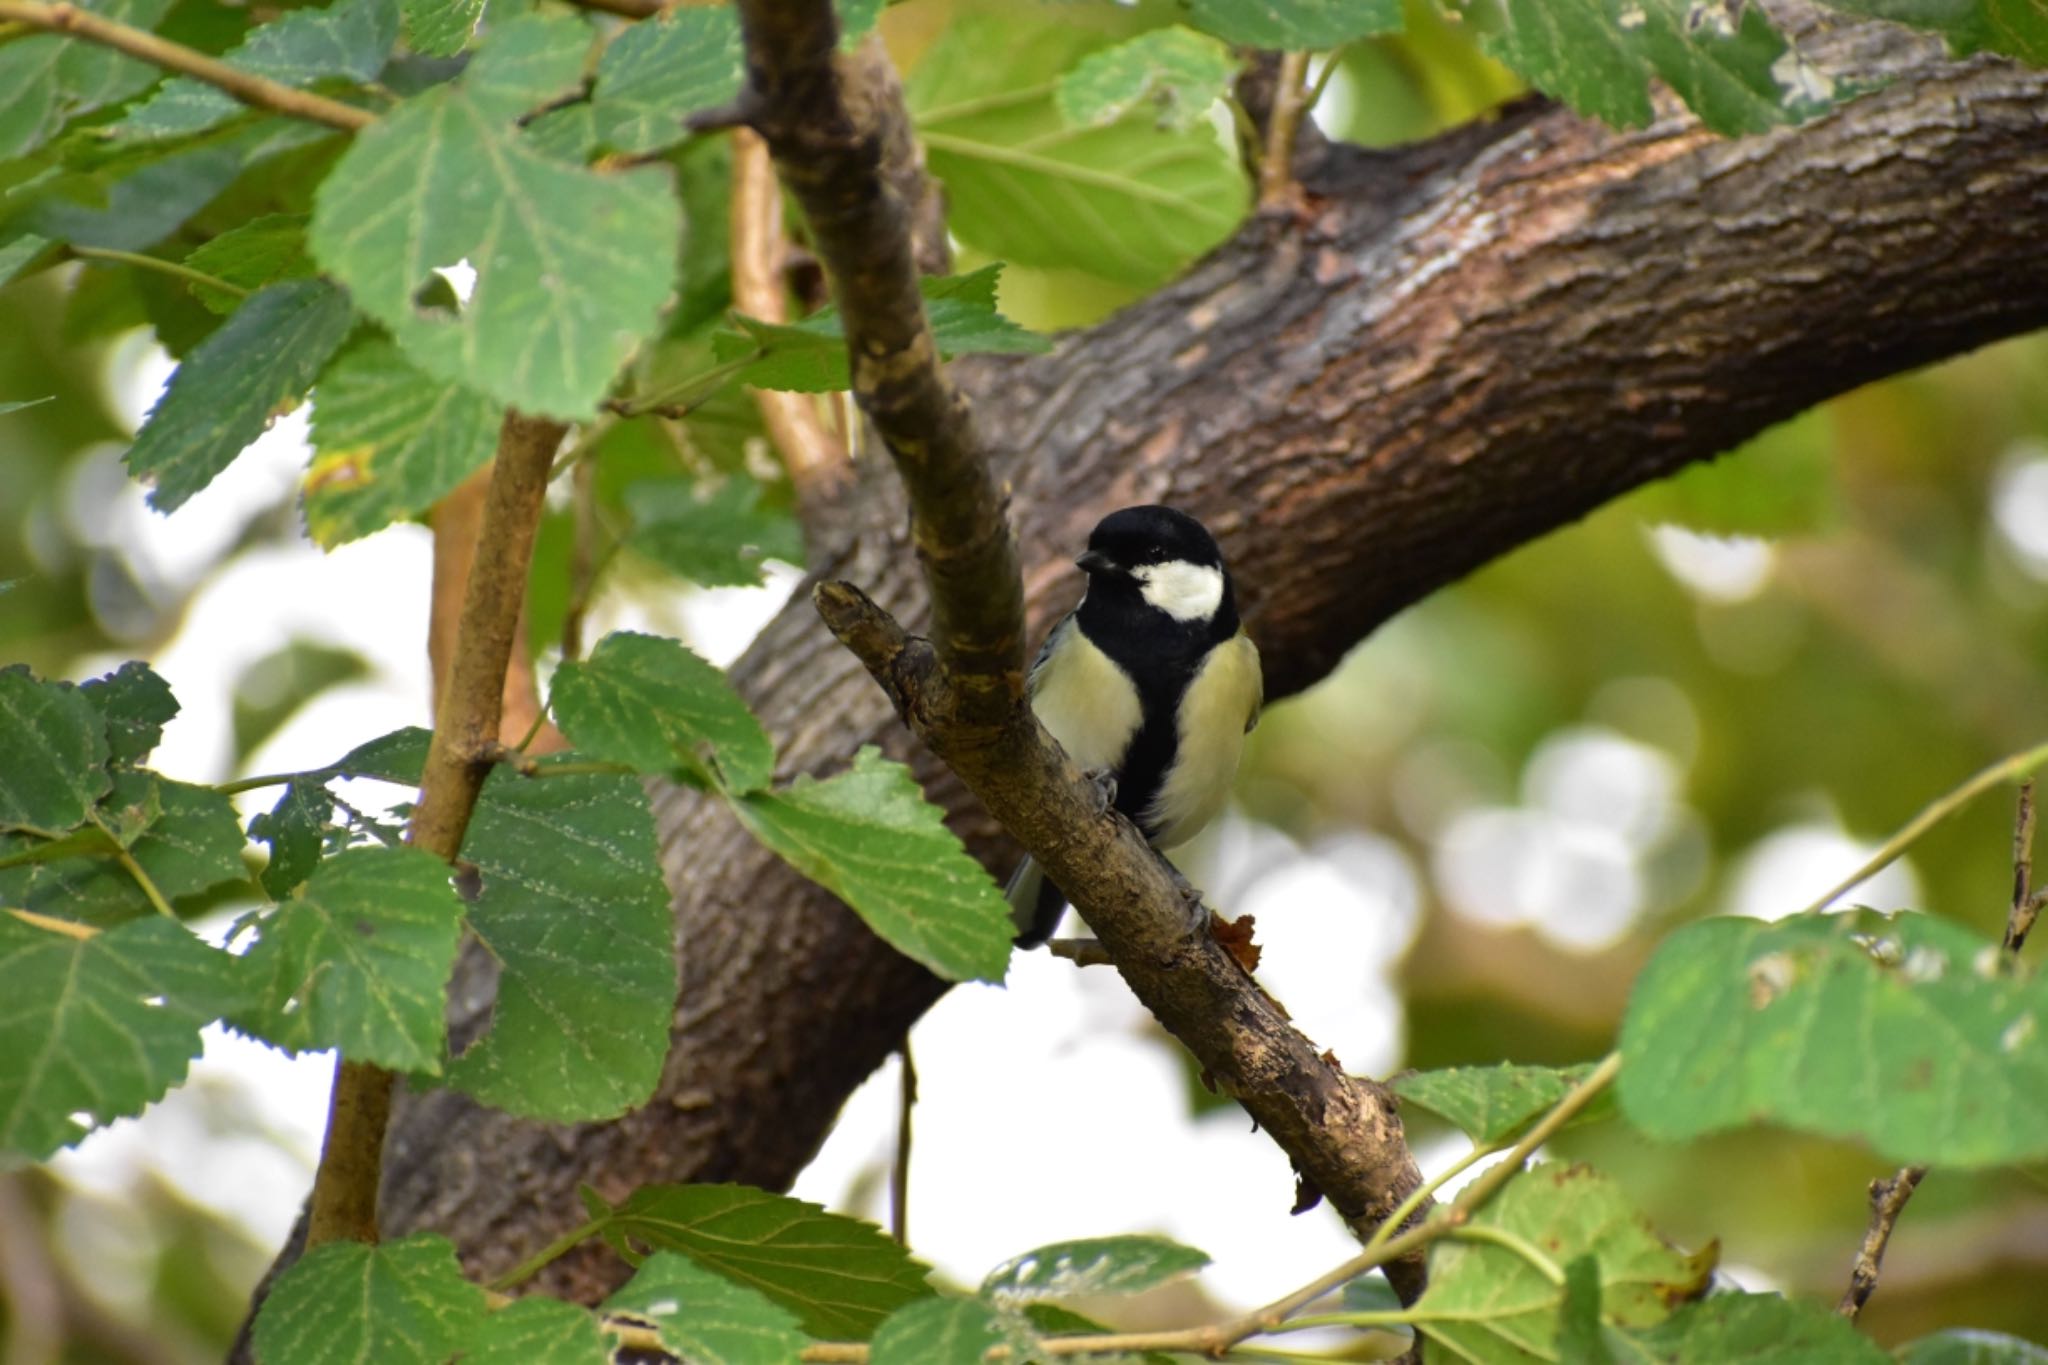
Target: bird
[1149, 684]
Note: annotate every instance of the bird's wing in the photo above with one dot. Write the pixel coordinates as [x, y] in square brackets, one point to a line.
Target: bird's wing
[1251, 720]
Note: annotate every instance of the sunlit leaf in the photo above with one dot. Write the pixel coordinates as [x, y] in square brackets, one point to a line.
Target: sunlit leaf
[1962, 1346]
[1174, 74]
[648, 701]
[1756, 1329]
[1091, 1266]
[389, 441]
[1489, 1103]
[871, 838]
[398, 1303]
[840, 1276]
[1294, 25]
[1906, 1031]
[706, 1318]
[99, 1025]
[224, 393]
[440, 28]
[948, 1331]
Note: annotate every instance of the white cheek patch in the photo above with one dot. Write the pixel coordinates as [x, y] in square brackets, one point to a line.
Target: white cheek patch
[1184, 591]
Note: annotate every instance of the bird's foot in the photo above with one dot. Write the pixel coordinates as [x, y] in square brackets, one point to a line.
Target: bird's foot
[1105, 788]
[1190, 898]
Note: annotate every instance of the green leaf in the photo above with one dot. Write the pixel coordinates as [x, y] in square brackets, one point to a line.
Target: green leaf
[810, 356]
[1490, 1103]
[15, 257]
[100, 1025]
[1729, 65]
[1174, 74]
[397, 757]
[296, 830]
[359, 959]
[870, 837]
[222, 396]
[1294, 25]
[537, 1331]
[1486, 1302]
[840, 1276]
[572, 266]
[399, 1303]
[1756, 1329]
[250, 255]
[715, 541]
[1580, 1338]
[660, 71]
[48, 80]
[350, 40]
[186, 839]
[53, 753]
[389, 442]
[575, 913]
[648, 701]
[1371, 1293]
[135, 704]
[1965, 1346]
[946, 1331]
[1905, 1031]
[705, 1318]
[6, 408]
[440, 28]
[1127, 200]
[1044, 1319]
[2017, 28]
[1090, 1266]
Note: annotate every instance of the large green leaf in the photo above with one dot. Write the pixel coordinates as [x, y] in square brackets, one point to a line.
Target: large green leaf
[53, 753]
[185, 839]
[870, 837]
[538, 1331]
[648, 701]
[1091, 1266]
[1756, 1329]
[250, 255]
[1907, 1031]
[715, 541]
[661, 70]
[1727, 62]
[389, 442]
[1487, 1302]
[840, 1276]
[810, 356]
[359, 959]
[224, 393]
[135, 704]
[706, 1318]
[1489, 1103]
[440, 28]
[1294, 25]
[1174, 74]
[946, 1331]
[572, 266]
[574, 912]
[349, 39]
[1129, 200]
[1962, 1346]
[99, 1025]
[349, 1303]
[2018, 28]
[46, 81]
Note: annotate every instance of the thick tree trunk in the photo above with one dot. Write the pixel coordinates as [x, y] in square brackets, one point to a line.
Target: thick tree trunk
[1450, 350]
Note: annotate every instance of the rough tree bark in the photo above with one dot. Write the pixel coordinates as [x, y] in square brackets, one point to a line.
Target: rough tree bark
[1451, 349]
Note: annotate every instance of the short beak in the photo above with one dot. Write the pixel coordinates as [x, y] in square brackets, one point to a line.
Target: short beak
[1095, 562]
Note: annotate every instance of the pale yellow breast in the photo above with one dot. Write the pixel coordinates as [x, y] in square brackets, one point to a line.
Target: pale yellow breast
[1086, 701]
[1219, 706]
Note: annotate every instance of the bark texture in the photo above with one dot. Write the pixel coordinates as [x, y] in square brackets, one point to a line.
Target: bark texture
[1446, 351]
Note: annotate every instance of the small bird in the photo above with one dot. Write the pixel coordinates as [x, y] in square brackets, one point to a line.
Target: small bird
[1150, 682]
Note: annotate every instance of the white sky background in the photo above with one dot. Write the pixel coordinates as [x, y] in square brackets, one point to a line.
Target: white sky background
[1049, 1109]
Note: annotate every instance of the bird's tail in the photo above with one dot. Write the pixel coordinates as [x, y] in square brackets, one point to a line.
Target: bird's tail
[1035, 903]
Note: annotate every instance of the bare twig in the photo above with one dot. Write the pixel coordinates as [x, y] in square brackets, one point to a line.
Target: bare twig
[1082, 952]
[816, 461]
[250, 89]
[1887, 1201]
[344, 1202]
[2026, 905]
[899, 1176]
[1290, 105]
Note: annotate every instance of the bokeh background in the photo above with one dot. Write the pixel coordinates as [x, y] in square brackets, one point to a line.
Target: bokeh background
[1712, 696]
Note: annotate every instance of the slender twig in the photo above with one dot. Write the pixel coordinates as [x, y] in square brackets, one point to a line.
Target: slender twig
[2026, 904]
[158, 264]
[249, 784]
[1290, 104]
[541, 1259]
[1322, 80]
[145, 46]
[142, 879]
[2005, 770]
[344, 1203]
[1887, 1201]
[899, 1175]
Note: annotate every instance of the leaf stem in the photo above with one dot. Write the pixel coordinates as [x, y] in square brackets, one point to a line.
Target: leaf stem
[1290, 105]
[149, 888]
[541, 1259]
[1515, 1242]
[251, 89]
[1938, 810]
[249, 784]
[160, 265]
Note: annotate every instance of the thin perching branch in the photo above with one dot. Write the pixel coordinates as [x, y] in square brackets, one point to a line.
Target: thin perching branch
[828, 123]
[344, 1201]
[143, 45]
